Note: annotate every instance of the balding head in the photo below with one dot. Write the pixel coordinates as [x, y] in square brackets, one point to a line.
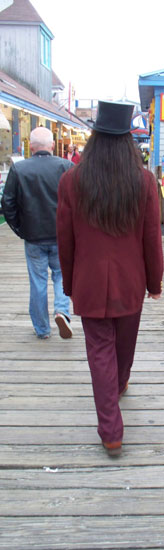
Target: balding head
[41, 139]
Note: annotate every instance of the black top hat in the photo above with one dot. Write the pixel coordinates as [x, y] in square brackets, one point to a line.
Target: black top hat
[113, 118]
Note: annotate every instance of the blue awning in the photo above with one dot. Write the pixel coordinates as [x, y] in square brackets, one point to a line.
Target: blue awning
[147, 85]
[36, 109]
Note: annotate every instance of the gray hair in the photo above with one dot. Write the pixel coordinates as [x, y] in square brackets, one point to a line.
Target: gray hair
[41, 136]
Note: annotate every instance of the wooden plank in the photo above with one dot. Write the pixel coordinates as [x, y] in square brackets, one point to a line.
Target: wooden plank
[86, 534]
[76, 342]
[76, 435]
[50, 366]
[88, 502]
[77, 418]
[110, 477]
[42, 352]
[149, 355]
[79, 455]
[59, 365]
[77, 403]
[53, 354]
[71, 376]
[24, 337]
[51, 389]
[73, 390]
[49, 377]
[147, 326]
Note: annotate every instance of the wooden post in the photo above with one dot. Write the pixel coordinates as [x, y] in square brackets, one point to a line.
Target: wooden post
[61, 148]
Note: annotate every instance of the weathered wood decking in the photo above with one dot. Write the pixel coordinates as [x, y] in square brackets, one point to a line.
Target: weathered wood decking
[58, 487]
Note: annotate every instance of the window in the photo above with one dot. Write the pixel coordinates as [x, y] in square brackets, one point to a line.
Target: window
[45, 50]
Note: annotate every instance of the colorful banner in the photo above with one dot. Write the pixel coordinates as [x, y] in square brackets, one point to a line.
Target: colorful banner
[151, 121]
[162, 107]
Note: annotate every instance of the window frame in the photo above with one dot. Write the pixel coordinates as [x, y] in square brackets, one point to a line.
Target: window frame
[45, 49]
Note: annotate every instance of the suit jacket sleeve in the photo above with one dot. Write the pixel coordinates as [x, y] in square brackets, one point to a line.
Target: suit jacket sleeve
[10, 201]
[152, 240]
[65, 234]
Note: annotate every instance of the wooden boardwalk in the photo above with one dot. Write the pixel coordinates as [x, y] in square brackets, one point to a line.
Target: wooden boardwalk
[59, 490]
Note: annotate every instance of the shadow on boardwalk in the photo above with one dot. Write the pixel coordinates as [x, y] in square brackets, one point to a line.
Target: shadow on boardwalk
[59, 488]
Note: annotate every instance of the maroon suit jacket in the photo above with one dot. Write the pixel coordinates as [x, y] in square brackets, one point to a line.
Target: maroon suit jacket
[106, 275]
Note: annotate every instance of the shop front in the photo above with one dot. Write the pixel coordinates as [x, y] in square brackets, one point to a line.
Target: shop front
[80, 139]
[23, 112]
[151, 89]
[5, 138]
[5, 148]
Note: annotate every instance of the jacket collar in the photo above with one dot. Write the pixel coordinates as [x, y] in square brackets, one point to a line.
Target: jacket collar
[40, 153]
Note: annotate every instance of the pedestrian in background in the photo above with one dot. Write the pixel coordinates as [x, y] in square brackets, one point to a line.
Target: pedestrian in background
[75, 155]
[146, 158]
[68, 152]
[110, 250]
[29, 205]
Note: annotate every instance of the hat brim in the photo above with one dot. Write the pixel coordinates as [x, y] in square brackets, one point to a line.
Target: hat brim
[106, 131]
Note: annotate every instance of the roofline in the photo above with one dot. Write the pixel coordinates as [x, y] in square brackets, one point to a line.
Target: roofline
[31, 107]
[145, 75]
[8, 22]
[80, 119]
[59, 82]
[31, 23]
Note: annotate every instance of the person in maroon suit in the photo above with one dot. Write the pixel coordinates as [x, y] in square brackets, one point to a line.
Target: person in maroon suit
[110, 251]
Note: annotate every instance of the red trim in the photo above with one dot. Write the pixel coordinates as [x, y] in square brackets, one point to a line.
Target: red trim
[140, 131]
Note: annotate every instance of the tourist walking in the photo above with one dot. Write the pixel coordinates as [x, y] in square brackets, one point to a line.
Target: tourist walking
[29, 205]
[110, 250]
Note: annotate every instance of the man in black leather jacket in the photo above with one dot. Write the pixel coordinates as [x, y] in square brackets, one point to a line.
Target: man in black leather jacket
[29, 205]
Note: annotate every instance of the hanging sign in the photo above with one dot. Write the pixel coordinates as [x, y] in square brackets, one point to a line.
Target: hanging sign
[140, 123]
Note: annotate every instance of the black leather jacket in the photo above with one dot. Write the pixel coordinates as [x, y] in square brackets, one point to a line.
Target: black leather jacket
[29, 200]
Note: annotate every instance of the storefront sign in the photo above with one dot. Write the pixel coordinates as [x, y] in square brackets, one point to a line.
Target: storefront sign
[162, 107]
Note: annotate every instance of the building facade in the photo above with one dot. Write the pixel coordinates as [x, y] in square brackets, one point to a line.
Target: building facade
[29, 89]
[151, 88]
[25, 48]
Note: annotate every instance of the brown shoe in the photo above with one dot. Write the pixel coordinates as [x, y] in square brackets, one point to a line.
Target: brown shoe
[64, 326]
[123, 391]
[114, 449]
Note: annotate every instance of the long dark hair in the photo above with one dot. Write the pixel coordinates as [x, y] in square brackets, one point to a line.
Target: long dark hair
[109, 180]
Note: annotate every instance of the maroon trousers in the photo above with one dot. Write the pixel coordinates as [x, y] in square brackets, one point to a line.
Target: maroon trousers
[110, 345]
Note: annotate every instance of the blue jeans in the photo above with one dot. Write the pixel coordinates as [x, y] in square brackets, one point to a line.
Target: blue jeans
[39, 257]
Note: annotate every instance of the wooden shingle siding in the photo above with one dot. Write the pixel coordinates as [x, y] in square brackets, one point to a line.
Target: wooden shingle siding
[20, 58]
